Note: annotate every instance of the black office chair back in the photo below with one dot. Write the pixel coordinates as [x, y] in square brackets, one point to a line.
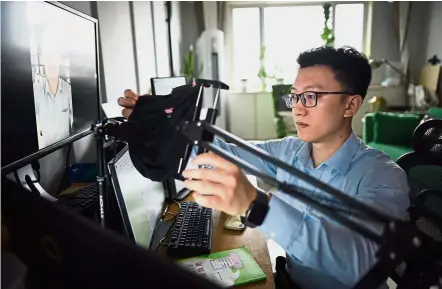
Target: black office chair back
[427, 137]
[424, 172]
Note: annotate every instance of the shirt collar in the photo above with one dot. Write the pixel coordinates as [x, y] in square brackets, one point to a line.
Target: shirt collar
[340, 160]
[59, 88]
[303, 155]
[343, 157]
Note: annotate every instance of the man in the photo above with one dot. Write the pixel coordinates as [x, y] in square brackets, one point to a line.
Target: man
[328, 91]
[52, 91]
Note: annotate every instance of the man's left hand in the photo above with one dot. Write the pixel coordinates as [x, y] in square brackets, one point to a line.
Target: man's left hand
[224, 188]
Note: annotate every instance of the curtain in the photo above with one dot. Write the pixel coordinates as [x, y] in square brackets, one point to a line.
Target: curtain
[199, 14]
[402, 11]
[402, 21]
[221, 14]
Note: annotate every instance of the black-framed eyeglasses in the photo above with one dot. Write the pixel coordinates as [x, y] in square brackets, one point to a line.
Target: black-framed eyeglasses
[308, 98]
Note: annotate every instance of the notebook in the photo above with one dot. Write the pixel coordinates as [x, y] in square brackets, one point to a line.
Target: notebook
[227, 268]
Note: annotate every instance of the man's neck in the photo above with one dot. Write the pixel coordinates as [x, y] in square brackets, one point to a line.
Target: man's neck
[324, 150]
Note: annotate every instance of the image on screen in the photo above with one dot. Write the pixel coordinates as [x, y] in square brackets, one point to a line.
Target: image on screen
[140, 199]
[49, 52]
[49, 44]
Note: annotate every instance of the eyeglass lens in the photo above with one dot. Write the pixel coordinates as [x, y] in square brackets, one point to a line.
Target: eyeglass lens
[308, 99]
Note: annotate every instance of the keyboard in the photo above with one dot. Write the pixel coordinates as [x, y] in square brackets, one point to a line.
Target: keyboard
[84, 199]
[192, 232]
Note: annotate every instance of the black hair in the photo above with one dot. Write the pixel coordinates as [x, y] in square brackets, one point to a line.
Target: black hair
[351, 68]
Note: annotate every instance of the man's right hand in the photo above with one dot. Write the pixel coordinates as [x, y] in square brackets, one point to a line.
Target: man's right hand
[128, 102]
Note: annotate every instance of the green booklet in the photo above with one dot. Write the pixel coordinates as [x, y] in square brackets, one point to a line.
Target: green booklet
[227, 268]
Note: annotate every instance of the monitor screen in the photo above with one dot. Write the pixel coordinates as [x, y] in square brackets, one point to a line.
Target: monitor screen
[140, 199]
[165, 85]
[49, 76]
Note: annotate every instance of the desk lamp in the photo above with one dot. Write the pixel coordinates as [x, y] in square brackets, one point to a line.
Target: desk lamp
[375, 64]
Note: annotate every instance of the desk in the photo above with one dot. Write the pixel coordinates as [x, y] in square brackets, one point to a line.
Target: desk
[223, 239]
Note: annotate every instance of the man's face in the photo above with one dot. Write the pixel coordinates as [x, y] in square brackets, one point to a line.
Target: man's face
[319, 123]
[50, 49]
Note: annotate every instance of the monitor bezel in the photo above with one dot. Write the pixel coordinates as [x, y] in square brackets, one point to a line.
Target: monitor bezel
[152, 81]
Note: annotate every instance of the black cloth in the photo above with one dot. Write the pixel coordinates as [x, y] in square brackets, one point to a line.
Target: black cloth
[155, 145]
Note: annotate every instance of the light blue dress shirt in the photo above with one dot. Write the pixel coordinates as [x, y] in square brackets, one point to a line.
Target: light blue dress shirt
[320, 252]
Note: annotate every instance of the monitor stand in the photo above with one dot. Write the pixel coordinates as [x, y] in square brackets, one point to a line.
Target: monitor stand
[19, 177]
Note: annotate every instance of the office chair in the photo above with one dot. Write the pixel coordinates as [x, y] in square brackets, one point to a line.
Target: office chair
[424, 171]
[427, 137]
[426, 213]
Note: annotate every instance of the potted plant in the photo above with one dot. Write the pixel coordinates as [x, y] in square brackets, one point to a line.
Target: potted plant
[262, 73]
[188, 69]
[327, 33]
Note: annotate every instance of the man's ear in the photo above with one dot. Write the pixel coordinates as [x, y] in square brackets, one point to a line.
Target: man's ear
[353, 104]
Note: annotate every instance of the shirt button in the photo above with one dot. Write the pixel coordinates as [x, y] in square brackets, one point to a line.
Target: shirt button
[272, 235]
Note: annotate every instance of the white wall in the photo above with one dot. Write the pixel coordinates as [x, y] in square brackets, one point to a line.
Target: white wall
[177, 37]
[145, 45]
[188, 25]
[150, 45]
[434, 32]
[82, 6]
[160, 35]
[384, 39]
[117, 48]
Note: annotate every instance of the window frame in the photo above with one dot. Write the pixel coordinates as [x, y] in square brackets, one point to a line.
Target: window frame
[230, 5]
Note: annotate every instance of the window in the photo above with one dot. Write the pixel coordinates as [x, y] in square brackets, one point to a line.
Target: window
[284, 32]
[246, 44]
[349, 25]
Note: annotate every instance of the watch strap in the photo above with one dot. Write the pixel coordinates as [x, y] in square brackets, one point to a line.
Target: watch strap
[257, 211]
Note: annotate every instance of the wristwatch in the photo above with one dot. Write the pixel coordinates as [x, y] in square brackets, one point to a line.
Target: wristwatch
[257, 211]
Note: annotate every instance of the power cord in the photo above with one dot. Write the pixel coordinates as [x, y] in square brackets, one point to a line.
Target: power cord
[162, 218]
[166, 209]
[169, 230]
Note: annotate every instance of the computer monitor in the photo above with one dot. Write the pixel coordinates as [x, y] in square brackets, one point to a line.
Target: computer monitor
[49, 76]
[140, 200]
[165, 85]
[61, 249]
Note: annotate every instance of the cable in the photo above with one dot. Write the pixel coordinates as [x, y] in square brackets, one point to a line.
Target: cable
[165, 211]
[169, 230]
[162, 219]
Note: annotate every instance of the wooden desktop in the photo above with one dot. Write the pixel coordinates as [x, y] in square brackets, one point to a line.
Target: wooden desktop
[223, 239]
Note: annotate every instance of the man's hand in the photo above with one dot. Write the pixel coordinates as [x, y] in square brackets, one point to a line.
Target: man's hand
[128, 102]
[225, 188]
